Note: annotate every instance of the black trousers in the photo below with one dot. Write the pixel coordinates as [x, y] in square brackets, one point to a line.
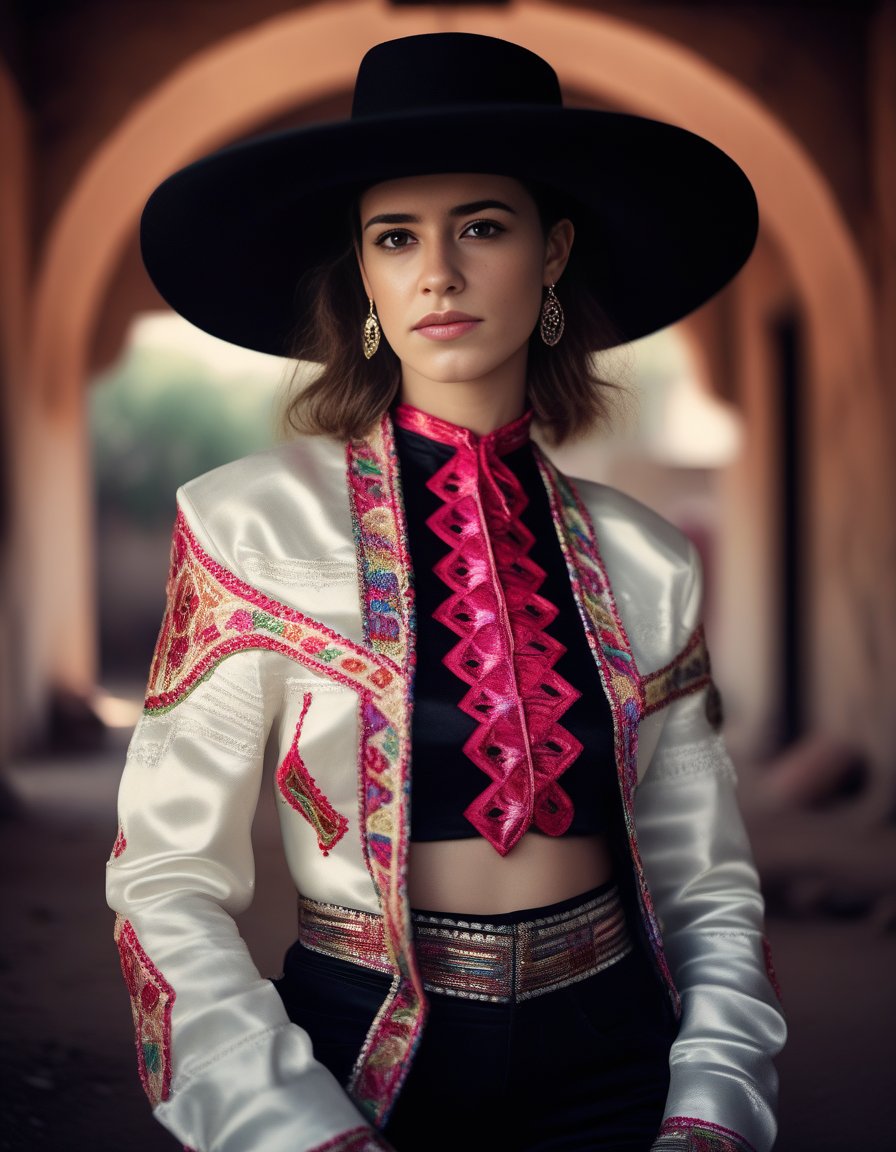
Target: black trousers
[584, 1067]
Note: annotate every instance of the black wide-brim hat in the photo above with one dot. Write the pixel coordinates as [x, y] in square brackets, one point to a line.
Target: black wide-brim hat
[663, 218]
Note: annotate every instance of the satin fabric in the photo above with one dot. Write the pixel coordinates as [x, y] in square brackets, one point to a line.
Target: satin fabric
[242, 1075]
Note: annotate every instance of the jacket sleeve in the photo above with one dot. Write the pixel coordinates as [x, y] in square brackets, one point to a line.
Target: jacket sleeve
[705, 891]
[222, 1064]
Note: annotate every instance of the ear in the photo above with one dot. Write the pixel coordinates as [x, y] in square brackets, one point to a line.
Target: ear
[557, 249]
[360, 260]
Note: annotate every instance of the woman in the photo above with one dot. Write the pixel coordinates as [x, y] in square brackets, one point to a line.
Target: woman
[528, 916]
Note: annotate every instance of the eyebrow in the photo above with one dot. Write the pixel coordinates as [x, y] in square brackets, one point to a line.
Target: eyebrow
[459, 210]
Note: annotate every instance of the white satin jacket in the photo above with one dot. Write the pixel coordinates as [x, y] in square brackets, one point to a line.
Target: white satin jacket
[289, 638]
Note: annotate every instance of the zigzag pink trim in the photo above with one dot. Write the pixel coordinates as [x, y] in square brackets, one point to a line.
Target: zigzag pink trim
[504, 653]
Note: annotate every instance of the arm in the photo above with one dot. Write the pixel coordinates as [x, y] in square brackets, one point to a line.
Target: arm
[222, 1064]
[705, 890]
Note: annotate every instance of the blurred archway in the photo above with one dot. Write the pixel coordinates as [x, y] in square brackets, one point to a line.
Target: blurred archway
[306, 56]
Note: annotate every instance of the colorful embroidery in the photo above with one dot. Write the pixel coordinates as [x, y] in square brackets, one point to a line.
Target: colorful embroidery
[298, 789]
[212, 614]
[384, 780]
[152, 999]
[619, 674]
[120, 843]
[388, 1050]
[382, 546]
[689, 1135]
[688, 672]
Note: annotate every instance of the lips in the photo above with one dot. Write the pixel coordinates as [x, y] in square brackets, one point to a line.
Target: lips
[446, 325]
[441, 319]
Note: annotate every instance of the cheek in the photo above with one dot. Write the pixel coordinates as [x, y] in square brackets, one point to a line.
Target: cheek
[388, 288]
[523, 276]
[522, 292]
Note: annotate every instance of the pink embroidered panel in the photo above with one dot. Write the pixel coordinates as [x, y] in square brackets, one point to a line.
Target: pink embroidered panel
[212, 614]
[120, 843]
[297, 787]
[152, 999]
[504, 653]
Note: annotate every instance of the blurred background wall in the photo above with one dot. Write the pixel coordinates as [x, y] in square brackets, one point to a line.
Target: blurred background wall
[765, 424]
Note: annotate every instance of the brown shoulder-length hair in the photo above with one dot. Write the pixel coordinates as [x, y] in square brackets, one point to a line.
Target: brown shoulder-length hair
[348, 397]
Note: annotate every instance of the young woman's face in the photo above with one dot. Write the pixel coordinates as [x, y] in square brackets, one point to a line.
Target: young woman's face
[456, 266]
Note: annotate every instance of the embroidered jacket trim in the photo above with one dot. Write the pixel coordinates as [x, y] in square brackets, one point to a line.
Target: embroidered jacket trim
[298, 788]
[685, 1134]
[152, 999]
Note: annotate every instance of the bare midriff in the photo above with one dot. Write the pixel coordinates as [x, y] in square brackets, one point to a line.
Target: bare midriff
[470, 876]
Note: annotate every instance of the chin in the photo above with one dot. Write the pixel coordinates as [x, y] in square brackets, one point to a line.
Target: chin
[458, 370]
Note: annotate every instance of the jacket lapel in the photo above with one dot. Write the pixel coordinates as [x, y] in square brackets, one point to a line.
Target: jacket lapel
[387, 606]
[622, 682]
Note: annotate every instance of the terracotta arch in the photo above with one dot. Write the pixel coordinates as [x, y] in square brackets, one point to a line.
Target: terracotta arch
[299, 57]
[304, 55]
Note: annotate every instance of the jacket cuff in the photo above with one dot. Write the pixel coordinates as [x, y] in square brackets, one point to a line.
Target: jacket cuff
[685, 1134]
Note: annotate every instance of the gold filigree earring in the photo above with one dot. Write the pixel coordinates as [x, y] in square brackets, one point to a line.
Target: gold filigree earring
[372, 332]
[552, 320]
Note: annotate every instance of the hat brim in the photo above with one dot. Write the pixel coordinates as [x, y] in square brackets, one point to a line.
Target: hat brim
[663, 219]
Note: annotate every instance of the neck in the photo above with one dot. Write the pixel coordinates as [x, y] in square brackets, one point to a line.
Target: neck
[482, 405]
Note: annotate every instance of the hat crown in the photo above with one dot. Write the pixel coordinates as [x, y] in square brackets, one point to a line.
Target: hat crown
[220, 237]
[450, 69]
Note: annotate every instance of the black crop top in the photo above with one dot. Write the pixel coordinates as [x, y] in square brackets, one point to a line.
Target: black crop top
[567, 716]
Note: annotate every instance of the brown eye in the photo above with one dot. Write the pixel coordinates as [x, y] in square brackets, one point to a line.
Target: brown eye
[394, 240]
[482, 229]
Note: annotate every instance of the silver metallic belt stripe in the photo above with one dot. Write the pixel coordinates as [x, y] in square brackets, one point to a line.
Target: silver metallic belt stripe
[476, 959]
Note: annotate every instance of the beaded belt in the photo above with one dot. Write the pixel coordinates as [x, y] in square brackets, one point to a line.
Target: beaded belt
[478, 960]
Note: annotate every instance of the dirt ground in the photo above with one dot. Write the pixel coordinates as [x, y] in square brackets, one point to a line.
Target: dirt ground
[67, 1064]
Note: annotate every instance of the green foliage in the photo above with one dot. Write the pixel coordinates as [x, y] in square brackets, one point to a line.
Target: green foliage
[159, 418]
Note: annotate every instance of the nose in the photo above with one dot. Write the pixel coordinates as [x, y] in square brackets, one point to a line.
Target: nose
[439, 273]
